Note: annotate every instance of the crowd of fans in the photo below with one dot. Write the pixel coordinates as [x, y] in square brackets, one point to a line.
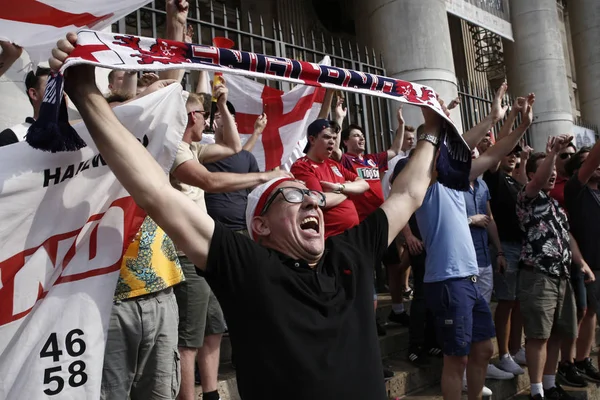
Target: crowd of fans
[523, 228]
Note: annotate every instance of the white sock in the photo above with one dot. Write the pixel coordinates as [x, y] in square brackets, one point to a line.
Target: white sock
[549, 381]
[398, 308]
[536, 388]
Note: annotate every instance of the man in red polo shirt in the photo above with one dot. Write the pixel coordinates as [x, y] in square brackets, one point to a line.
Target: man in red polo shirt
[319, 172]
[368, 166]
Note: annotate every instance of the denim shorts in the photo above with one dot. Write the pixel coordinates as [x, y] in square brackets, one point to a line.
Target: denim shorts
[462, 315]
[579, 290]
[505, 284]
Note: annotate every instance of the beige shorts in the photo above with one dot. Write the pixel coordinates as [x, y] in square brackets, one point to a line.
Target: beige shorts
[547, 304]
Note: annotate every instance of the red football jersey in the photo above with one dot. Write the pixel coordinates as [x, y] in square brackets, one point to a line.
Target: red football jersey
[369, 169]
[338, 218]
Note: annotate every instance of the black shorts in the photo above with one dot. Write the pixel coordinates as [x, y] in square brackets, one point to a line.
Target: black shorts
[391, 256]
[579, 290]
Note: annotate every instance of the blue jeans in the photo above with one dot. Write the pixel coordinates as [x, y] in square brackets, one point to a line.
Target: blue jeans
[462, 315]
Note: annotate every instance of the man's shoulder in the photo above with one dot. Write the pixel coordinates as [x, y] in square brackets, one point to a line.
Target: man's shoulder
[7, 137]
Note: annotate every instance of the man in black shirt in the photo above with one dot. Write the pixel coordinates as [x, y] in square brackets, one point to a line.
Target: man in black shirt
[503, 191]
[582, 200]
[296, 305]
[35, 83]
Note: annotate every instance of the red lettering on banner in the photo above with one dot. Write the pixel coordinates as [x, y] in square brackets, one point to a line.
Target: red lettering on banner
[273, 106]
[132, 219]
[36, 12]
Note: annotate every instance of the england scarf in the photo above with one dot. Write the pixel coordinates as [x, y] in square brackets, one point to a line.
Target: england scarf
[66, 222]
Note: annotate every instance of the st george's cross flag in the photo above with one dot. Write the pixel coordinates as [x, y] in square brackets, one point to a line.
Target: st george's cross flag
[288, 115]
[66, 222]
[37, 25]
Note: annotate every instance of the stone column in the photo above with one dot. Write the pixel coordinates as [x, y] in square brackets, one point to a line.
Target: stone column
[584, 17]
[414, 38]
[537, 64]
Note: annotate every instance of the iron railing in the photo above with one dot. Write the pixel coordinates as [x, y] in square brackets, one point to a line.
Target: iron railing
[255, 35]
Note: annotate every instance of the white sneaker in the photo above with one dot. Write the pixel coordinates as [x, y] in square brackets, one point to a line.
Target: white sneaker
[494, 372]
[519, 357]
[506, 363]
[486, 392]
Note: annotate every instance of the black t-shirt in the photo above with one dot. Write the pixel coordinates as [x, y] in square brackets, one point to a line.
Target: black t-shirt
[230, 208]
[583, 206]
[503, 190]
[8, 136]
[306, 333]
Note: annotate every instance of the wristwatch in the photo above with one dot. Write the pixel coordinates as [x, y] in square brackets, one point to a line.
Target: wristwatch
[429, 138]
[340, 189]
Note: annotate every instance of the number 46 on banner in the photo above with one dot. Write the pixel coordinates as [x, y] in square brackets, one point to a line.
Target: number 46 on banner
[75, 347]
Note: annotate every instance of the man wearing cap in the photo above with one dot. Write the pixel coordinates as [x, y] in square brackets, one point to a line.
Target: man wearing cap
[320, 172]
[463, 317]
[35, 84]
[309, 296]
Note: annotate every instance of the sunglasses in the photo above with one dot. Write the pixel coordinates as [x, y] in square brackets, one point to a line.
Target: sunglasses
[564, 156]
[205, 114]
[295, 195]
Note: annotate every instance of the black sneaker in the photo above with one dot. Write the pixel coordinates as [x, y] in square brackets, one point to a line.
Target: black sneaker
[408, 294]
[569, 375]
[536, 397]
[435, 352]
[402, 318]
[387, 374]
[557, 393]
[588, 370]
[418, 358]
[381, 331]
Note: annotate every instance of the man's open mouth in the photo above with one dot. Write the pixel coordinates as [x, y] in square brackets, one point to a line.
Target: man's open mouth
[310, 223]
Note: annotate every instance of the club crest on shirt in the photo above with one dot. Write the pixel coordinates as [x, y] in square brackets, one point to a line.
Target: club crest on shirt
[336, 171]
[371, 163]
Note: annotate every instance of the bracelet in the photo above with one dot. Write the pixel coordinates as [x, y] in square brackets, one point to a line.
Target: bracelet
[342, 188]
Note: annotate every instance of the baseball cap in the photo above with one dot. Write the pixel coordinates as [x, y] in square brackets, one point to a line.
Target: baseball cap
[314, 129]
[257, 199]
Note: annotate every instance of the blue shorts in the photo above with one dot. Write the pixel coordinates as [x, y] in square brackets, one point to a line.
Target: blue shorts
[462, 315]
[505, 284]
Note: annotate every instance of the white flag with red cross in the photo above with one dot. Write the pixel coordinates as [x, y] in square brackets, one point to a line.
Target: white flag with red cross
[288, 116]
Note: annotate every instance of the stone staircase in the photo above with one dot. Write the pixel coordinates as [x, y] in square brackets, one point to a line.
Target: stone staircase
[409, 382]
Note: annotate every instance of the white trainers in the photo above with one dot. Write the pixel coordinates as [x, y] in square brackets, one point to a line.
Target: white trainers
[494, 372]
[519, 357]
[486, 392]
[506, 363]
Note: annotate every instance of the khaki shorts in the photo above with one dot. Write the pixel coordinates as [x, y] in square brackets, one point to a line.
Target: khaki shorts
[200, 314]
[547, 304]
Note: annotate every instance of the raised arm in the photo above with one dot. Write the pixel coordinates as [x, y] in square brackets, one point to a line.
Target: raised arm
[228, 142]
[544, 171]
[10, 54]
[177, 12]
[259, 126]
[589, 166]
[495, 153]
[520, 174]
[195, 174]
[340, 114]
[190, 228]
[399, 138]
[410, 186]
[475, 134]
[326, 106]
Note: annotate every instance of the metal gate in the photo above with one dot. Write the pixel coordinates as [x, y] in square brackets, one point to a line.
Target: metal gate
[217, 19]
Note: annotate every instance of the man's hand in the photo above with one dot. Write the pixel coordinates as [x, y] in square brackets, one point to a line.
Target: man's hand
[454, 103]
[78, 79]
[558, 143]
[399, 115]
[501, 264]
[498, 111]
[432, 119]
[340, 110]
[221, 93]
[260, 124]
[526, 111]
[414, 245]
[156, 86]
[10, 50]
[188, 37]
[330, 187]
[587, 272]
[526, 152]
[480, 220]
[277, 173]
[177, 11]
[148, 78]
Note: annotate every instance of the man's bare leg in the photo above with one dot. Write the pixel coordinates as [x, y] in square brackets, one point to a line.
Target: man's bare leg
[187, 390]
[516, 329]
[479, 358]
[502, 321]
[208, 362]
[535, 351]
[587, 331]
[452, 376]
